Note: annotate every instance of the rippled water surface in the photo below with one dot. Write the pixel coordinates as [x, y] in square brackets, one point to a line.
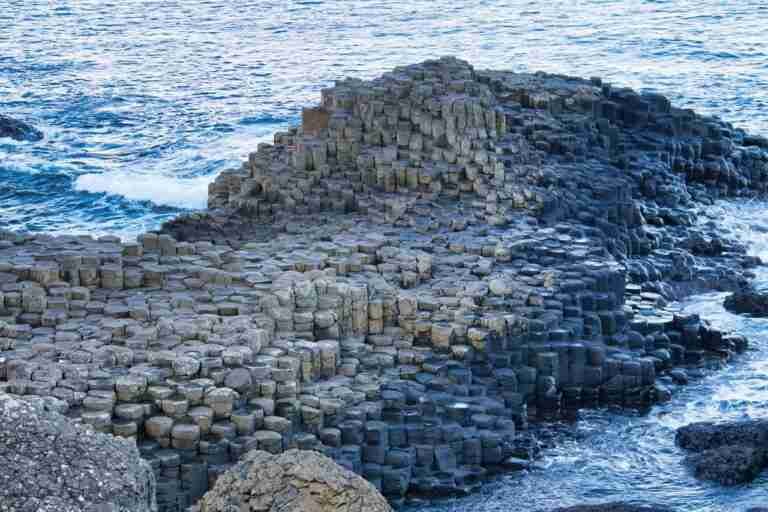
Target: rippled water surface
[614, 455]
[143, 102]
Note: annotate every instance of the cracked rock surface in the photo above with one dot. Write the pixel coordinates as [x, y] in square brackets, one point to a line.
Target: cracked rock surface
[49, 464]
[294, 481]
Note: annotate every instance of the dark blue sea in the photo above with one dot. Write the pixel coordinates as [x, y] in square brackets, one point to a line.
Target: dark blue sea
[142, 103]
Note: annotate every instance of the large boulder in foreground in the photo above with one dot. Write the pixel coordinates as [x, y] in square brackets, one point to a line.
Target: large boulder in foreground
[747, 302]
[18, 130]
[614, 507]
[294, 481]
[49, 464]
[727, 453]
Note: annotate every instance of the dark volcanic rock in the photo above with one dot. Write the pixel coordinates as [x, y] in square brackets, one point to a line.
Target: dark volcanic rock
[698, 437]
[614, 507]
[729, 453]
[728, 465]
[49, 464]
[18, 130]
[748, 301]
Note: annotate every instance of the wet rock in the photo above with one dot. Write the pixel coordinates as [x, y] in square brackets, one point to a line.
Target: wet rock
[47, 463]
[729, 464]
[748, 301]
[18, 130]
[294, 480]
[702, 436]
[727, 453]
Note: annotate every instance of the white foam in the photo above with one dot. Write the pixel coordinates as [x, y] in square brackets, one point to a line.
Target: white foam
[168, 190]
[159, 189]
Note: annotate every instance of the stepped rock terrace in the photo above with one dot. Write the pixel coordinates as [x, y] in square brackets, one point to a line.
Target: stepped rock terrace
[402, 282]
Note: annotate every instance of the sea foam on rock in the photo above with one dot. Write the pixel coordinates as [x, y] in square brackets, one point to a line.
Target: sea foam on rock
[433, 259]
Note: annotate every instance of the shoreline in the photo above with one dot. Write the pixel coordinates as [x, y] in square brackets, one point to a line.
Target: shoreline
[395, 283]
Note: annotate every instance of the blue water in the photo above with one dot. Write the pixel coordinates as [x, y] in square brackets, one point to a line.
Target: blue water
[143, 102]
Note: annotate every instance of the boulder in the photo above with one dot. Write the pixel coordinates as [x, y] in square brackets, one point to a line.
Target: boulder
[729, 464]
[727, 453]
[747, 301]
[48, 463]
[701, 436]
[294, 481]
[18, 130]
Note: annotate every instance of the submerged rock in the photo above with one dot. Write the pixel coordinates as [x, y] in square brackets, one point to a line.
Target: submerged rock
[47, 463]
[18, 130]
[292, 481]
[728, 453]
[747, 301]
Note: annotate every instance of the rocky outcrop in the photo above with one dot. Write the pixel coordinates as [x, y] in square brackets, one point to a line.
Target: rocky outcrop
[614, 507]
[395, 283]
[729, 464]
[294, 481]
[49, 464]
[18, 130]
[727, 453]
[747, 301]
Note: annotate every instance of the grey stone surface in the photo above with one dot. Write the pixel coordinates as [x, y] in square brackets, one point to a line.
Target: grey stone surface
[294, 481]
[47, 463]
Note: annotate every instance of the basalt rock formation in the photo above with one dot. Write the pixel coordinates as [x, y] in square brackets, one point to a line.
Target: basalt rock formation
[49, 464]
[432, 259]
[298, 481]
[18, 130]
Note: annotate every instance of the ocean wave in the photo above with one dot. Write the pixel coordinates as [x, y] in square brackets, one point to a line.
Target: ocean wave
[186, 193]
